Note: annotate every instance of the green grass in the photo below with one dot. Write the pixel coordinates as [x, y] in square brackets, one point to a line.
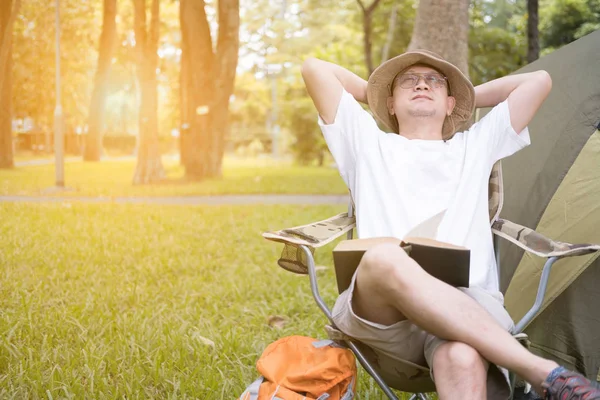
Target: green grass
[122, 301]
[113, 178]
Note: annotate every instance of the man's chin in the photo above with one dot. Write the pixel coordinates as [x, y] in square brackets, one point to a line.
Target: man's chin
[421, 112]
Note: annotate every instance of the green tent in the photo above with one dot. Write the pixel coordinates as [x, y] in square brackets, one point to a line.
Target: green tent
[553, 186]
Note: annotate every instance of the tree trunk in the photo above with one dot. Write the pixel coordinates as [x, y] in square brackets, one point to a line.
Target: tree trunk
[209, 78]
[367, 30]
[149, 166]
[7, 19]
[385, 52]
[533, 40]
[443, 27]
[228, 46]
[185, 92]
[108, 39]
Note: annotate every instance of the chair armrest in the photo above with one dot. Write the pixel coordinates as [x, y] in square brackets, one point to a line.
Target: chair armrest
[315, 234]
[293, 258]
[533, 242]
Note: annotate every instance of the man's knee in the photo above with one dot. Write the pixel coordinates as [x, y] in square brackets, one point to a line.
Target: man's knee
[457, 357]
[383, 261]
[378, 280]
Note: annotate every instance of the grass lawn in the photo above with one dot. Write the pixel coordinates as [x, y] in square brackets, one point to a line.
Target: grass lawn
[113, 178]
[136, 301]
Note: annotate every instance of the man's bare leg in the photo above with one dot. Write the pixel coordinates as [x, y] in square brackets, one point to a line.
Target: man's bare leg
[392, 285]
[460, 372]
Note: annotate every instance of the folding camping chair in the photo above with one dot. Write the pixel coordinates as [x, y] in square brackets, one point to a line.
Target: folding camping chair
[301, 242]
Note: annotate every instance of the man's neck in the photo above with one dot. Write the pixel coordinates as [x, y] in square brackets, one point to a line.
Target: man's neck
[421, 128]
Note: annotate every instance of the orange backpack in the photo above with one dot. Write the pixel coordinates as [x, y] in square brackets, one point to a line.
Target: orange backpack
[302, 368]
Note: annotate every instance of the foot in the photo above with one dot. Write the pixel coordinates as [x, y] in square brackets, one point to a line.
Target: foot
[563, 384]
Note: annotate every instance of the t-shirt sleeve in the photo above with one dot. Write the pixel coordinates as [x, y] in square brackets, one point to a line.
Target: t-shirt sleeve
[352, 131]
[494, 134]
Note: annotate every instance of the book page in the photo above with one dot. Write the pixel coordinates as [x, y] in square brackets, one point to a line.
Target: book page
[432, 243]
[427, 228]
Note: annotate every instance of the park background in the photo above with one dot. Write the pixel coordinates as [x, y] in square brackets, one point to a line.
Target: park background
[163, 100]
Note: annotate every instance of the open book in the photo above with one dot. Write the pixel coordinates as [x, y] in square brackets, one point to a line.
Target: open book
[444, 261]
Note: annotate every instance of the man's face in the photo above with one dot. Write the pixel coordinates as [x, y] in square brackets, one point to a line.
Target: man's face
[420, 92]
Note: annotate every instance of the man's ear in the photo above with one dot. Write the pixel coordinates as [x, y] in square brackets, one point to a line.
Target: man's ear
[450, 105]
[390, 105]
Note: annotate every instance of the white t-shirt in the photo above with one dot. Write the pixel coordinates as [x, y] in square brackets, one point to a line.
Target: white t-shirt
[397, 183]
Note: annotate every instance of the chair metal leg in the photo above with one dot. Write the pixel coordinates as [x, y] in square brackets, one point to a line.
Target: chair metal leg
[539, 299]
[496, 239]
[314, 287]
[533, 311]
[512, 381]
[312, 273]
[365, 364]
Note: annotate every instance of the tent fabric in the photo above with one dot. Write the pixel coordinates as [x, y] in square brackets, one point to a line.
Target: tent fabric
[568, 331]
[553, 186]
[574, 205]
[559, 131]
[568, 328]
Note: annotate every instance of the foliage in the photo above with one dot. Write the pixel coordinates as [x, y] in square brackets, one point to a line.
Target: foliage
[276, 36]
[249, 110]
[278, 40]
[493, 53]
[563, 21]
[34, 59]
[497, 41]
[301, 120]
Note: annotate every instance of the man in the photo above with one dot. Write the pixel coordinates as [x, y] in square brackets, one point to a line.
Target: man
[426, 170]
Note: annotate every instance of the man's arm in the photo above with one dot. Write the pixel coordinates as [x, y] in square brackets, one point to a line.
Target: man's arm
[324, 82]
[525, 94]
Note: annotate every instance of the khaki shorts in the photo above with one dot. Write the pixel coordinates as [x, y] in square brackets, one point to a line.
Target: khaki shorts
[402, 352]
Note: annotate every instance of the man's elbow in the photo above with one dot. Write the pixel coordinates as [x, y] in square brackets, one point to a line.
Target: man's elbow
[544, 81]
[309, 66]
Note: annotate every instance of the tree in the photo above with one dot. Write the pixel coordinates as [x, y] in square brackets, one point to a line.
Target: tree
[332, 30]
[8, 14]
[34, 63]
[443, 27]
[497, 41]
[149, 166]
[563, 21]
[309, 144]
[108, 39]
[207, 84]
[367, 31]
[533, 41]
[385, 52]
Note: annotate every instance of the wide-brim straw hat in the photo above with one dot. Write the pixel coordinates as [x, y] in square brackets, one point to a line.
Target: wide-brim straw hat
[380, 85]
